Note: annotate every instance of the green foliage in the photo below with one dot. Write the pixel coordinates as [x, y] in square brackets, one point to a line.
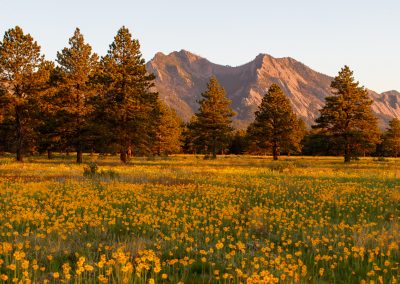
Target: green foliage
[210, 128]
[347, 116]
[275, 126]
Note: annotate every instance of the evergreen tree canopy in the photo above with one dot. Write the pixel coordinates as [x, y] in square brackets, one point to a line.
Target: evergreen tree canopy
[212, 124]
[391, 138]
[128, 104]
[168, 132]
[23, 77]
[275, 126]
[77, 65]
[347, 116]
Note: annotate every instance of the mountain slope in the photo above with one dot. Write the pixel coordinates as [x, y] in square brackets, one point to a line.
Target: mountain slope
[182, 76]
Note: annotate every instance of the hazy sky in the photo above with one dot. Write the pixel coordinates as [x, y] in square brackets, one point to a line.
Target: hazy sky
[325, 35]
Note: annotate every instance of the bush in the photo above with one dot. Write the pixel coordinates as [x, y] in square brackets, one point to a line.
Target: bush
[380, 159]
[92, 171]
[282, 166]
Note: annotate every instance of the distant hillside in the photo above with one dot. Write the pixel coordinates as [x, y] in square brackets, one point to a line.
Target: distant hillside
[182, 76]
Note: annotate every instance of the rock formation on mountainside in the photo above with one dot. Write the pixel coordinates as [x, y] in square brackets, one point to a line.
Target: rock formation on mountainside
[182, 76]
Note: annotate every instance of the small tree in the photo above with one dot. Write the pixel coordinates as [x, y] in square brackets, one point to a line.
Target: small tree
[299, 131]
[168, 132]
[275, 125]
[23, 78]
[347, 116]
[212, 124]
[188, 138]
[391, 138]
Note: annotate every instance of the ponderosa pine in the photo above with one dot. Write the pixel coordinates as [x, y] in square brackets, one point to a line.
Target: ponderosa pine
[128, 103]
[77, 65]
[212, 125]
[275, 126]
[347, 116]
[23, 77]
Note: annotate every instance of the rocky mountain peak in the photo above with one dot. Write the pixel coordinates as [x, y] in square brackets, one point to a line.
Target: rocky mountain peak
[181, 77]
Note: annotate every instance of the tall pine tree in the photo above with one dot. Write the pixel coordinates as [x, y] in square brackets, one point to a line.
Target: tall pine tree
[23, 78]
[77, 64]
[347, 116]
[211, 127]
[275, 125]
[128, 105]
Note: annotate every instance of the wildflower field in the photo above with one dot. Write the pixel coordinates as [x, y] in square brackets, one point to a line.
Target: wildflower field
[185, 219]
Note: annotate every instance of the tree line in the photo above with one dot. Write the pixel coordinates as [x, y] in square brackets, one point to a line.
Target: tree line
[86, 103]
[83, 103]
[346, 125]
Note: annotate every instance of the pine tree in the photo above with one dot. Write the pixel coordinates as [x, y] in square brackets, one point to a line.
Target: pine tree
[128, 103]
[188, 137]
[77, 64]
[275, 125]
[211, 127]
[49, 138]
[347, 116]
[391, 138]
[23, 78]
[295, 141]
[168, 132]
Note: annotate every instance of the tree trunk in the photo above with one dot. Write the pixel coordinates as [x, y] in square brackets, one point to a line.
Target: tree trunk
[129, 152]
[275, 151]
[49, 154]
[214, 150]
[347, 155]
[20, 157]
[79, 156]
[19, 143]
[122, 156]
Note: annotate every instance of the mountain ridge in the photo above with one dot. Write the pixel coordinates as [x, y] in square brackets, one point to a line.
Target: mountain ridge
[181, 77]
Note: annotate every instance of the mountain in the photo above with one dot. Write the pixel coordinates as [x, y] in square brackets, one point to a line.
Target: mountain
[182, 76]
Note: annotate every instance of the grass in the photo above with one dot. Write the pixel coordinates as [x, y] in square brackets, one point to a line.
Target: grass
[237, 219]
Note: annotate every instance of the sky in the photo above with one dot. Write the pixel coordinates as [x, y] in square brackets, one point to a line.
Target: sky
[323, 34]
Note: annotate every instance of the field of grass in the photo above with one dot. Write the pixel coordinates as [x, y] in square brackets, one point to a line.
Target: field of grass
[189, 220]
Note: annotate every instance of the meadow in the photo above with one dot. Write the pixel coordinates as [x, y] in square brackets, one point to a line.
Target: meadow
[183, 219]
